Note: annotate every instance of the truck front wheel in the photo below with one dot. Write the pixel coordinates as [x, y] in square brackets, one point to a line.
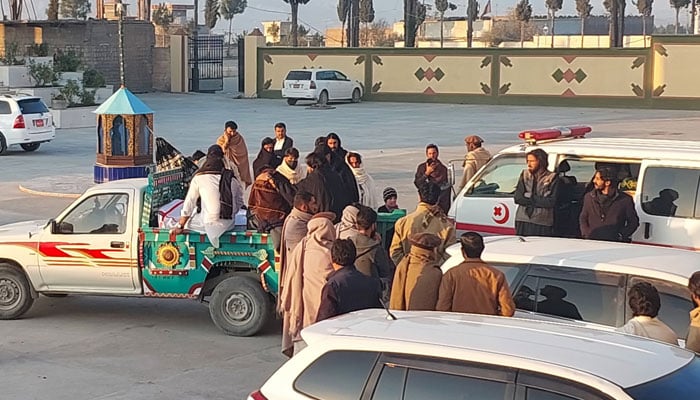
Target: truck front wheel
[239, 306]
[15, 293]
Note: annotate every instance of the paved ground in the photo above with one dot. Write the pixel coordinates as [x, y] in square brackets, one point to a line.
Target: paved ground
[113, 348]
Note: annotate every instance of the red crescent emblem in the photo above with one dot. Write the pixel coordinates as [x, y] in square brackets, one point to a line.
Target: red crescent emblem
[500, 213]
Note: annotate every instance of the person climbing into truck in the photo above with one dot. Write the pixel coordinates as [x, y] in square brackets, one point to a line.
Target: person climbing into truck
[221, 197]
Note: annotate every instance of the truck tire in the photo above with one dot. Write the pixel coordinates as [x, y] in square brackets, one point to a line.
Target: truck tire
[15, 292]
[239, 306]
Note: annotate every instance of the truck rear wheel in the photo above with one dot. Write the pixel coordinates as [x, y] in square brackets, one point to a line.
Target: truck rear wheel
[15, 292]
[239, 306]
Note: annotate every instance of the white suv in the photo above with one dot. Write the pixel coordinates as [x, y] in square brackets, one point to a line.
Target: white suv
[432, 355]
[320, 85]
[26, 121]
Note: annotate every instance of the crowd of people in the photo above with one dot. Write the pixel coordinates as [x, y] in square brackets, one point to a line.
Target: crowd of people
[322, 218]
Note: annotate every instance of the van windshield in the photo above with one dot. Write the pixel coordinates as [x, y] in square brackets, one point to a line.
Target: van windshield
[680, 384]
[299, 76]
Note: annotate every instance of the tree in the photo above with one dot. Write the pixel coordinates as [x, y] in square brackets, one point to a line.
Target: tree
[442, 6]
[472, 15]
[379, 34]
[413, 17]
[584, 8]
[274, 31]
[211, 13]
[510, 30]
[75, 9]
[354, 24]
[228, 10]
[523, 13]
[302, 32]
[677, 5]
[644, 8]
[162, 16]
[52, 11]
[295, 18]
[366, 15]
[343, 10]
[553, 6]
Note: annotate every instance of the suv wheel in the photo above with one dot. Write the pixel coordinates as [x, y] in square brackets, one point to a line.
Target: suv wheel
[323, 98]
[30, 146]
[291, 102]
[3, 144]
[239, 306]
[356, 96]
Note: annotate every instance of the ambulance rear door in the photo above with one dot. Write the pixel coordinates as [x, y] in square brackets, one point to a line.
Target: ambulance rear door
[668, 204]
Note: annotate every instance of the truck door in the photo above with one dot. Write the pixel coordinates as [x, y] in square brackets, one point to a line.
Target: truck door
[486, 205]
[90, 247]
[668, 204]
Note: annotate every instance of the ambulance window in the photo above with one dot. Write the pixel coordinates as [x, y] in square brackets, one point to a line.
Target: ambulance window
[671, 192]
[499, 177]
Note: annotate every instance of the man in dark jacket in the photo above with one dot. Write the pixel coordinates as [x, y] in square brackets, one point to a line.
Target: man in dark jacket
[607, 213]
[282, 141]
[347, 289]
[536, 197]
[325, 185]
[372, 260]
[433, 170]
[336, 159]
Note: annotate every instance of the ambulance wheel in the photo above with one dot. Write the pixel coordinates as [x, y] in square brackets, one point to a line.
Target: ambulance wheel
[15, 292]
[239, 306]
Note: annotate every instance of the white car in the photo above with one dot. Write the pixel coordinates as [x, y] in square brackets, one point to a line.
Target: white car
[587, 280]
[434, 355]
[26, 121]
[320, 85]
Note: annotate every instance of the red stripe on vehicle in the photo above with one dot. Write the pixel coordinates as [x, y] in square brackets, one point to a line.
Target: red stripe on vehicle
[496, 230]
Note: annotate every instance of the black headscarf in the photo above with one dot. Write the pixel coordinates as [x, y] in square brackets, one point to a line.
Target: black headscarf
[214, 165]
[265, 158]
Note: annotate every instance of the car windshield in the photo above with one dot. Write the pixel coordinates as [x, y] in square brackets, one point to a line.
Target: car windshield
[32, 106]
[679, 384]
[299, 76]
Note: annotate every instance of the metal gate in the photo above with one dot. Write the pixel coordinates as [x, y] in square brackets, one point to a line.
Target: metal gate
[241, 65]
[206, 63]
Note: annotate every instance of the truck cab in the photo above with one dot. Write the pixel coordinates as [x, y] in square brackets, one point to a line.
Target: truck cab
[662, 176]
[108, 243]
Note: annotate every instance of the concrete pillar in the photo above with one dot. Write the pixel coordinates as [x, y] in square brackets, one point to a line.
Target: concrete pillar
[179, 64]
[252, 42]
[697, 20]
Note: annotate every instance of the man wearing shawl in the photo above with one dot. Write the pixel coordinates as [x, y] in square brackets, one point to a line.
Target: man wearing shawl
[266, 157]
[303, 279]
[428, 217]
[236, 151]
[347, 227]
[221, 198]
[290, 167]
[369, 196]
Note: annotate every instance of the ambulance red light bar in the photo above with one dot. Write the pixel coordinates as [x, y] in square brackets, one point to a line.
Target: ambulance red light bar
[555, 133]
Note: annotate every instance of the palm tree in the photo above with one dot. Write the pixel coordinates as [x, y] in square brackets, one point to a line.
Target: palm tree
[211, 13]
[343, 10]
[644, 8]
[677, 5]
[472, 15]
[229, 9]
[295, 17]
[584, 8]
[553, 6]
[366, 16]
[523, 13]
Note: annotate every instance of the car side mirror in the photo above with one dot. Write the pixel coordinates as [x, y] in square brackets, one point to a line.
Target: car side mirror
[61, 227]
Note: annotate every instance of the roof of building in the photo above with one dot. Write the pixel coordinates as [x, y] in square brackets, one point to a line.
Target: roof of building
[645, 260]
[123, 102]
[512, 342]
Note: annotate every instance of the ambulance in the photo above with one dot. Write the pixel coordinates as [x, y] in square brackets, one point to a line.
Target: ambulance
[662, 176]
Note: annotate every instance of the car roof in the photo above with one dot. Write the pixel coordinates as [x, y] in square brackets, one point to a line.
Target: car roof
[312, 69]
[651, 261]
[617, 148]
[133, 183]
[624, 360]
[18, 97]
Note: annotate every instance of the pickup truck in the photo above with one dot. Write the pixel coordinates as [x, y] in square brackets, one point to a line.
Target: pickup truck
[107, 243]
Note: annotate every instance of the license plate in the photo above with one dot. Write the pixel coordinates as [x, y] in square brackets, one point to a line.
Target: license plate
[39, 123]
[296, 86]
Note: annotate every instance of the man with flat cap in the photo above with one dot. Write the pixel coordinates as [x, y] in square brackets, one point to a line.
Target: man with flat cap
[417, 277]
[476, 158]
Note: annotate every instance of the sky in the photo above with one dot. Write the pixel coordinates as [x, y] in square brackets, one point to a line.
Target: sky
[321, 14]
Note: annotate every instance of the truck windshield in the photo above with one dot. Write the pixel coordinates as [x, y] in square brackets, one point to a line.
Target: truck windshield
[679, 384]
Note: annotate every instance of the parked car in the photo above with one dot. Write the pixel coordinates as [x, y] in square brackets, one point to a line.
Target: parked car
[320, 85]
[26, 121]
[433, 355]
[662, 176]
[587, 280]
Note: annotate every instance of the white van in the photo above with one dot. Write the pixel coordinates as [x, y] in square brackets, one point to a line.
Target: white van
[663, 177]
